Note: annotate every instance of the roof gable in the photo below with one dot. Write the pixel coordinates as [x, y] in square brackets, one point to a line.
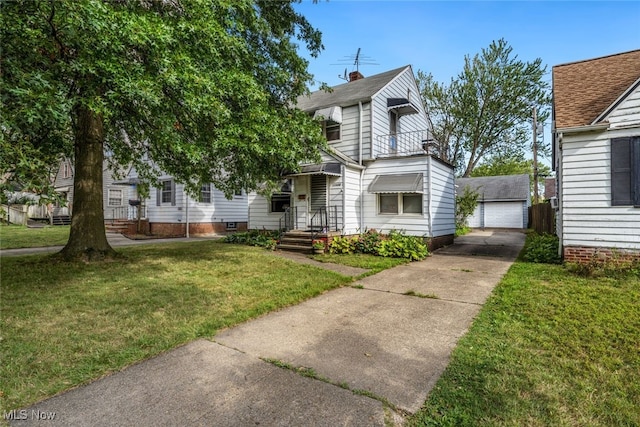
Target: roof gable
[349, 93]
[584, 91]
[495, 188]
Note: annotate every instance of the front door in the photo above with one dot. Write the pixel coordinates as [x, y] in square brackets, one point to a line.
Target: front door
[318, 196]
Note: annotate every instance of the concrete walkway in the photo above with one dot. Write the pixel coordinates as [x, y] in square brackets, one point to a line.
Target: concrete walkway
[373, 351]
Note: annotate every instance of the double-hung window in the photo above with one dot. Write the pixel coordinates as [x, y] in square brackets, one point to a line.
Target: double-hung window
[115, 198]
[166, 193]
[625, 171]
[205, 193]
[399, 203]
[332, 130]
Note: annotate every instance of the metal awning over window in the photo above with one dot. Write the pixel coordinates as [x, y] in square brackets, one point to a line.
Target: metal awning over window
[333, 114]
[402, 106]
[333, 169]
[127, 181]
[400, 183]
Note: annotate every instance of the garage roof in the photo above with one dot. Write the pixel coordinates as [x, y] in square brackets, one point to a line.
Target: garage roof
[497, 188]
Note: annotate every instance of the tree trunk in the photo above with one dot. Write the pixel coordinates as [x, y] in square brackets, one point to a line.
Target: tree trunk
[88, 239]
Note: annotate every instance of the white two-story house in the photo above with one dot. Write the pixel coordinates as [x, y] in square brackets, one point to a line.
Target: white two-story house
[381, 170]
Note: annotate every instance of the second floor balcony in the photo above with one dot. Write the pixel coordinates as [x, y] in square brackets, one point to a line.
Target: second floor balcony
[405, 144]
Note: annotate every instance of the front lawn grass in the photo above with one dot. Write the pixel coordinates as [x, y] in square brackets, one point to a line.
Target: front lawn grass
[373, 263]
[19, 236]
[549, 348]
[64, 324]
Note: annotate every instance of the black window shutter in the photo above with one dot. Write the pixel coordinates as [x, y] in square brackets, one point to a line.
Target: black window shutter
[173, 193]
[158, 196]
[635, 170]
[621, 162]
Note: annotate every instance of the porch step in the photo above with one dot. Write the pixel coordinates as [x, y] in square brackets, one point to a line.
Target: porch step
[116, 226]
[61, 220]
[296, 241]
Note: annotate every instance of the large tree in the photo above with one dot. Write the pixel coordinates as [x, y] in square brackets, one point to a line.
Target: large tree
[200, 89]
[487, 110]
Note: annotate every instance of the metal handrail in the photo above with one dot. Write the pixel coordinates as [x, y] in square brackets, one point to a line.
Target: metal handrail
[323, 220]
[289, 220]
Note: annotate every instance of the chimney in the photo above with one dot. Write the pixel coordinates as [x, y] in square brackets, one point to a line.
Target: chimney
[355, 75]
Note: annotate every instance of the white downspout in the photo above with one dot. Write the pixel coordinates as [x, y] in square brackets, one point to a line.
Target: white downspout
[360, 133]
[186, 211]
[361, 220]
[429, 190]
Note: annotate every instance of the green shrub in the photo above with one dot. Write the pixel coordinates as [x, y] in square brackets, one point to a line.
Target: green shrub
[393, 245]
[541, 248]
[265, 238]
[368, 242]
[343, 245]
[398, 245]
[613, 267]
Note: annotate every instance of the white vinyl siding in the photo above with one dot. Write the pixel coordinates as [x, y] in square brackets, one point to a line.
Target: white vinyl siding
[219, 210]
[349, 143]
[443, 204]
[398, 88]
[628, 112]
[587, 216]
[352, 201]
[411, 224]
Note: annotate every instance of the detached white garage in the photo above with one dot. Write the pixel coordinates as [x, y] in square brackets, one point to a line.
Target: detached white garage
[503, 201]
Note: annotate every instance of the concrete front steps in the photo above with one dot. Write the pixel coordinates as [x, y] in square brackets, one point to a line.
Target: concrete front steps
[118, 226]
[296, 241]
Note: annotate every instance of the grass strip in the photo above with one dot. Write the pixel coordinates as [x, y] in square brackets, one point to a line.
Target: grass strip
[549, 348]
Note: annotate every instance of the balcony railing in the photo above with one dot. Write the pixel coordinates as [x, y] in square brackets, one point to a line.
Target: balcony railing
[405, 144]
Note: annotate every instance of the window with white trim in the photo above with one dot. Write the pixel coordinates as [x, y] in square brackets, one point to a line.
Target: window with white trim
[399, 203]
[280, 202]
[331, 130]
[205, 193]
[167, 191]
[114, 197]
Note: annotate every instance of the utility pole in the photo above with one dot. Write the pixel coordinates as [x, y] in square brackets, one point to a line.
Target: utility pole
[535, 157]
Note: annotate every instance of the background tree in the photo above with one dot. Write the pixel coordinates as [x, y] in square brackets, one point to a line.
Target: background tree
[200, 89]
[486, 110]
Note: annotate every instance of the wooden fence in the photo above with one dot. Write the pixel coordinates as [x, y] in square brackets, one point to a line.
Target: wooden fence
[542, 218]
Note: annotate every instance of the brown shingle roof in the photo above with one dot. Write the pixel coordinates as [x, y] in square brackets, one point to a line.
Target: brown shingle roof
[583, 90]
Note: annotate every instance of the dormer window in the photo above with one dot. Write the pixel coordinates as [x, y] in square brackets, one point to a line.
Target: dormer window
[331, 130]
[331, 120]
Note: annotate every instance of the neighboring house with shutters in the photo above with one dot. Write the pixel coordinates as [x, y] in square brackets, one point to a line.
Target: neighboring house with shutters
[503, 201]
[596, 128]
[381, 170]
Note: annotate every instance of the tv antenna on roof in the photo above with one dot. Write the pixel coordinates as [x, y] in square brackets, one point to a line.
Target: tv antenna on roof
[357, 60]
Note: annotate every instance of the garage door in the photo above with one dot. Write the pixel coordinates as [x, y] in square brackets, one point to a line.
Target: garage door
[503, 215]
[474, 221]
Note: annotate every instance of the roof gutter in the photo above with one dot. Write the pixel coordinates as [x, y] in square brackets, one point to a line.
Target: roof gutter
[582, 129]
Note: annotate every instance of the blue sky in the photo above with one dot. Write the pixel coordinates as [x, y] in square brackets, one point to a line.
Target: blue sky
[435, 36]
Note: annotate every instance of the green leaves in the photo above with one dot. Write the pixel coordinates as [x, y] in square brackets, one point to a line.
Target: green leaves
[201, 90]
[485, 110]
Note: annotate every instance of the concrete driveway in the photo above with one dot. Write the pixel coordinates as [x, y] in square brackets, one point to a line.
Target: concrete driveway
[370, 353]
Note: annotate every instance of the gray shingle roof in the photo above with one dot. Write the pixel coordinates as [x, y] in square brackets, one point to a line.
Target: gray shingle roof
[349, 93]
[497, 188]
